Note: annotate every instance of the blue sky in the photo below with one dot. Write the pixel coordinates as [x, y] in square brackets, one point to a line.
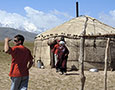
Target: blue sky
[40, 15]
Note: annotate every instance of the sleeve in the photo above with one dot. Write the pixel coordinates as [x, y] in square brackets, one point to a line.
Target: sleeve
[67, 51]
[53, 50]
[12, 50]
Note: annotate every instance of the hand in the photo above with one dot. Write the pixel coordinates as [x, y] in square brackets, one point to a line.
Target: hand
[7, 39]
[66, 54]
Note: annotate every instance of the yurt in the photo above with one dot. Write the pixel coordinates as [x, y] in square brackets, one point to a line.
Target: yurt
[96, 34]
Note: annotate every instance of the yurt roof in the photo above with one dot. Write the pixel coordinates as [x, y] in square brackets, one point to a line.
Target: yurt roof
[75, 26]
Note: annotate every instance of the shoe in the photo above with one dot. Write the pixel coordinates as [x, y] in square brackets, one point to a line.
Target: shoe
[65, 73]
[61, 73]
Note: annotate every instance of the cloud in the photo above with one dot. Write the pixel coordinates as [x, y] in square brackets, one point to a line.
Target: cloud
[34, 20]
[43, 20]
[16, 21]
[108, 18]
[61, 15]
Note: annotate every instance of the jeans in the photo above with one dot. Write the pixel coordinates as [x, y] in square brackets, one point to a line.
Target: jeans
[56, 58]
[19, 83]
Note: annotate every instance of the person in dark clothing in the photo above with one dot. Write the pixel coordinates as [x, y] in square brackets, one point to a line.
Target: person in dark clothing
[52, 61]
[62, 57]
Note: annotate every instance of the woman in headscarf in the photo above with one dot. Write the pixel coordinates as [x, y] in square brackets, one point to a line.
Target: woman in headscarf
[62, 57]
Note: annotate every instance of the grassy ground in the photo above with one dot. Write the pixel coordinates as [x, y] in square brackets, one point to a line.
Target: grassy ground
[48, 79]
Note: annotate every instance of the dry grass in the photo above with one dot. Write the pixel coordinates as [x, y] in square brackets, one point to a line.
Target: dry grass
[48, 79]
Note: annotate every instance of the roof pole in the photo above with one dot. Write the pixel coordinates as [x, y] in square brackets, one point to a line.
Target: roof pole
[77, 10]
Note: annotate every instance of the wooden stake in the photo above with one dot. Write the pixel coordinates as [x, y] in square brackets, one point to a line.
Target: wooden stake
[106, 59]
[81, 59]
[81, 62]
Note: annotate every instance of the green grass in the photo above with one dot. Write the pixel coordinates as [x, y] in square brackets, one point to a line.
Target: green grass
[4, 58]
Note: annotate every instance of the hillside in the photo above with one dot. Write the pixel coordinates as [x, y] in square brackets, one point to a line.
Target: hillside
[10, 32]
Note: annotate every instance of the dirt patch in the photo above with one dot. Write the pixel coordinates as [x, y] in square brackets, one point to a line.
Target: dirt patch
[49, 79]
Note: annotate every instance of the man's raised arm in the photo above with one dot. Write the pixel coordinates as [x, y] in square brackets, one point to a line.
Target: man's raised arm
[6, 45]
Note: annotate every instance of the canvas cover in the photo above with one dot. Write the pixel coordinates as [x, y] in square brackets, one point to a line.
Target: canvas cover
[71, 30]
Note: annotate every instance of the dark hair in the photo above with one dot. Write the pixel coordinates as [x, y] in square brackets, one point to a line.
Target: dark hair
[62, 39]
[20, 38]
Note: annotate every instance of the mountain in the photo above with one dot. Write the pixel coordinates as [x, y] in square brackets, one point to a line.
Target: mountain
[11, 32]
